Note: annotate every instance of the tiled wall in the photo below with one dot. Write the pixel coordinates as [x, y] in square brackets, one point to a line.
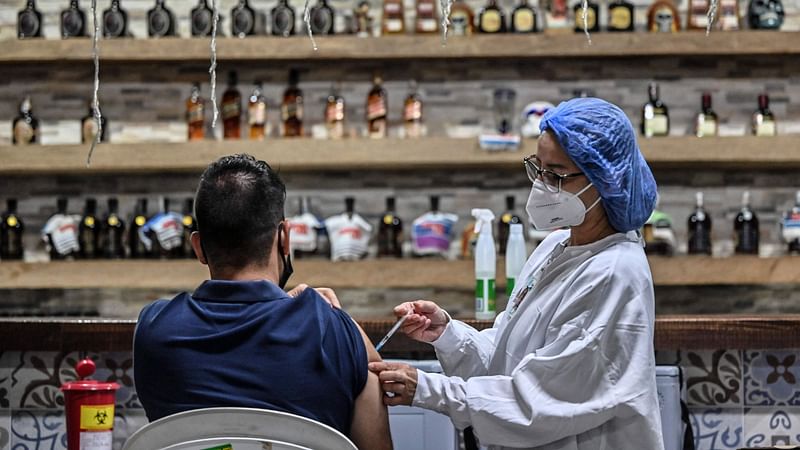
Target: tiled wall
[737, 398]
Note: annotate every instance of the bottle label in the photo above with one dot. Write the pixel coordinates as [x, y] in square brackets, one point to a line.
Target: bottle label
[485, 295]
[620, 18]
[23, 132]
[292, 110]
[524, 21]
[425, 8]
[706, 126]
[113, 221]
[392, 7]
[12, 221]
[394, 25]
[591, 18]
[257, 113]
[334, 112]
[231, 110]
[428, 25]
[413, 129]
[412, 111]
[657, 126]
[376, 108]
[195, 114]
[491, 21]
[766, 128]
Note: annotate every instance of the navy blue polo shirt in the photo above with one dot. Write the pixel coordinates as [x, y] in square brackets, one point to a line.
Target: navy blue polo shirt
[247, 343]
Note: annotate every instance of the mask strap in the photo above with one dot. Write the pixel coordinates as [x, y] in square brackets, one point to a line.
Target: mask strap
[594, 204]
[287, 261]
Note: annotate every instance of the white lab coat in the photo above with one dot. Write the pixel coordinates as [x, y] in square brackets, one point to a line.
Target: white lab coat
[572, 369]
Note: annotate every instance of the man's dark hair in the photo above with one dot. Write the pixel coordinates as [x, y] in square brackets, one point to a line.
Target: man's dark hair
[238, 206]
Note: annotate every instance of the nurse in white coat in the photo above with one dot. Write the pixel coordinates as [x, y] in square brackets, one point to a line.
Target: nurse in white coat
[570, 364]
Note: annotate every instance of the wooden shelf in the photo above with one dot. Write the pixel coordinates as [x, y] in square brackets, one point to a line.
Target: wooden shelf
[687, 332]
[381, 273]
[292, 155]
[337, 48]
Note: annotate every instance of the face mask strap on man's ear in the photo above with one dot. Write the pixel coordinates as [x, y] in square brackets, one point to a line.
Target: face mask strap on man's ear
[286, 258]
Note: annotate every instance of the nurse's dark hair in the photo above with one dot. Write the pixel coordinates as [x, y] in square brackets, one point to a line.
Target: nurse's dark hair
[238, 206]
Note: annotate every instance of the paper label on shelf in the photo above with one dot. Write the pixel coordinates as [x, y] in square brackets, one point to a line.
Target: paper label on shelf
[96, 440]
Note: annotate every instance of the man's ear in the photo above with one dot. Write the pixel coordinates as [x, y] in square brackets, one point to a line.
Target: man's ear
[198, 248]
[286, 230]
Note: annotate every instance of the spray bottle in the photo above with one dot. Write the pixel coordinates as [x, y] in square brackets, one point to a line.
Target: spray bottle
[516, 255]
[485, 265]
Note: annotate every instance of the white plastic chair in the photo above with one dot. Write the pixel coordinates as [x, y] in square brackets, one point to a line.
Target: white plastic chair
[242, 428]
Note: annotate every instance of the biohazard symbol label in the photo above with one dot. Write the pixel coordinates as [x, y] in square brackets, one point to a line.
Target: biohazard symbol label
[97, 417]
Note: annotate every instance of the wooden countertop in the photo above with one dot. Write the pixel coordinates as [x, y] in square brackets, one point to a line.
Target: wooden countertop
[672, 332]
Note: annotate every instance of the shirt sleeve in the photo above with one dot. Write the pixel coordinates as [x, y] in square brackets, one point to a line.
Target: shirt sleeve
[597, 364]
[464, 351]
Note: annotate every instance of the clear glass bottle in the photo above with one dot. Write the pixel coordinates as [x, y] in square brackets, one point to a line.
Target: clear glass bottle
[763, 120]
[655, 114]
[706, 123]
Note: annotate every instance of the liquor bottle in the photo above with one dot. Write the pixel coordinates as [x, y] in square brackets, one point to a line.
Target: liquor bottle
[427, 21]
[292, 108]
[196, 114]
[763, 120]
[305, 229]
[699, 226]
[89, 126]
[29, 21]
[745, 228]
[61, 233]
[697, 15]
[11, 231]
[160, 21]
[243, 20]
[349, 234]
[89, 232]
[113, 232]
[524, 18]
[765, 14]
[663, 17]
[26, 126]
[432, 232]
[257, 113]
[362, 22]
[393, 18]
[137, 248]
[377, 109]
[390, 232]
[658, 235]
[620, 16]
[189, 227]
[462, 19]
[166, 232]
[706, 123]
[202, 19]
[232, 109]
[790, 226]
[412, 112]
[335, 114]
[283, 19]
[115, 21]
[323, 18]
[492, 19]
[591, 24]
[73, 21]
[729, 15]
[556, 13]
[508, 218]
[655, 115]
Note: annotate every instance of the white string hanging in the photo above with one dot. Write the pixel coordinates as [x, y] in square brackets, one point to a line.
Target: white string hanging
[712, 14]
[95, 101]
[446, 6]
[585, 14]
[307, 21]
[213, 69]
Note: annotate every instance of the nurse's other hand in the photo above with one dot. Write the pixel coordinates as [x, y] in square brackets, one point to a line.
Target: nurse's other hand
[426, 322]
[398, 382]
[327, 294]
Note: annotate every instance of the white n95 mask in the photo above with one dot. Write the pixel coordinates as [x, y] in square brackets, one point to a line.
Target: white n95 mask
[549, 210]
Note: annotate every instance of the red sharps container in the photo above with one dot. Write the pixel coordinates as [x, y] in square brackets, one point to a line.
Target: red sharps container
[89, 406]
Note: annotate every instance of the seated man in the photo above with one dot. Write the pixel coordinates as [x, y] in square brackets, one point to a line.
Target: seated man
[239, 339]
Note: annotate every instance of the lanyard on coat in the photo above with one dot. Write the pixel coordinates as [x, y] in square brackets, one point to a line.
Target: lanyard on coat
[534, 278]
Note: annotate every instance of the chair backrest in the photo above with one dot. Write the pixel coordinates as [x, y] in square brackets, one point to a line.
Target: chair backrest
[241, 428]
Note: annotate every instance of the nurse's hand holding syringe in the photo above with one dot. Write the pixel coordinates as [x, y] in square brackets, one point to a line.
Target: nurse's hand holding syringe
[425, 320]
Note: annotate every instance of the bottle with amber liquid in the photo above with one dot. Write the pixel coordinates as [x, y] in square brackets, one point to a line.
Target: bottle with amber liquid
[160, 21]
[524, 18]
[89, 232]
[427, 21]
[377, 109]
[706, 123]
[73, 21]
[763, 120]
[620, 16]
[137, 248]
[29, 21]
[11, 231]
[745, 229]
[196, 114]
[508, 218]
[89, 126]
[655, 115]
[257, 113]
[292, 108]
[390, 232]
[335, 114]
[462, 19]
[592, 24]
[412, 112]
[115, 21]
[232, 109]
[492, 19]
[699, 226]
[113, 232]
[25, 127]
[393, 18]
[189, 227]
